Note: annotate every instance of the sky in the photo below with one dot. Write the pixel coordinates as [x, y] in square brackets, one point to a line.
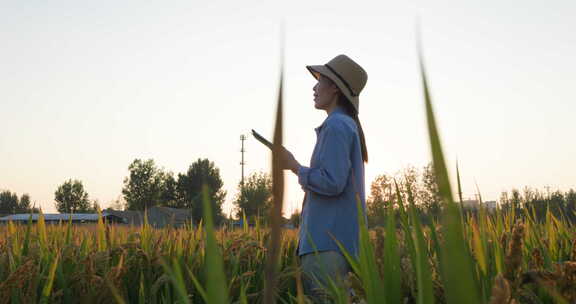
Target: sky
[86, 87]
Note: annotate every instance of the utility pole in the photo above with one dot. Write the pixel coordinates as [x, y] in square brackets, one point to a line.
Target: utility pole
[242, 163]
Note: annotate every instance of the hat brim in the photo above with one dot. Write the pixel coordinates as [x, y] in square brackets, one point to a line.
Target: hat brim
[317, 70]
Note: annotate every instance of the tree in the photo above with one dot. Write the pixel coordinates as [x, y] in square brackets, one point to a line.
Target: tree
[34, 210]
[382, 193]
[571, 205]
[71, 197]
[408, 180]
[169, 195]
[24, 204]
[202, 172]
[255, 197]
[95, 206]
[557, 203]
[142, 189]
[8, 202]
[118, 204]
[429, 193]
[516, 200]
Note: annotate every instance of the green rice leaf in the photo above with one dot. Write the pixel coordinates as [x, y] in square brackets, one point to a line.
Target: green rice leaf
[217, 290]
[391, 258]
[175, 274]
[459, 280]
[425, 291]
[47, 290]
[369, 273]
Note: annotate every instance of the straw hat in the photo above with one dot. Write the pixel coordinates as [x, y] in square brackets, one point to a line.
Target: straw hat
[349, 76]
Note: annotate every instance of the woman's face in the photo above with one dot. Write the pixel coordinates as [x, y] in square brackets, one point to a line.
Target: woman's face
[325, 94]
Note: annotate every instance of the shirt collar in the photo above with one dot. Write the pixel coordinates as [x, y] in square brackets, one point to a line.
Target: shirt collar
[338, 110]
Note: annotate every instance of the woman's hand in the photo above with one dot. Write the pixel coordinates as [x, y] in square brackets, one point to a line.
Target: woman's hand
[288, 161]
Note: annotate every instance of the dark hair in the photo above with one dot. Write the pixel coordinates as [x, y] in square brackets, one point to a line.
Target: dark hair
[351, 111]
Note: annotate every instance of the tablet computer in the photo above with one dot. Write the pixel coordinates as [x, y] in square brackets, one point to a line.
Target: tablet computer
[261, 139]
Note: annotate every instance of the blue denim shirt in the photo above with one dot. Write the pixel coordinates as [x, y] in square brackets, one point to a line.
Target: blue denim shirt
[335, 174]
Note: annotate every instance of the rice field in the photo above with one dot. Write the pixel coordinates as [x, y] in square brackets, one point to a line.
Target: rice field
[524, 261]
[497, 257]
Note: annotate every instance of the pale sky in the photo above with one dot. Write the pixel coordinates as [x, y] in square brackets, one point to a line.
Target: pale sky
[88, 86]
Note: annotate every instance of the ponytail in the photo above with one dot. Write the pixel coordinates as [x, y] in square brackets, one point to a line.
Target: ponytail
[351, 111]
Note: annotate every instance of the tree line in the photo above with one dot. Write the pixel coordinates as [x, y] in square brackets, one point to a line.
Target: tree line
[420, 184]
[411, 183]
[10, 203]
[148, 185]
[537, 203]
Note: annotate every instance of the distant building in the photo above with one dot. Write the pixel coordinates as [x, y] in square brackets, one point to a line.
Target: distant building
[490, 204]
[470, 204]
[240, 223]
[53, 218]
[158, 217]
[286, 224]
[475, 204]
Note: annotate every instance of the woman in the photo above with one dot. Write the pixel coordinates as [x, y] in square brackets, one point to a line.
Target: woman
[334, 178]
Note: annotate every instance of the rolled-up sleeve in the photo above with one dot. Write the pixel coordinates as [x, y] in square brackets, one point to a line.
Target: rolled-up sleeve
[331, 172]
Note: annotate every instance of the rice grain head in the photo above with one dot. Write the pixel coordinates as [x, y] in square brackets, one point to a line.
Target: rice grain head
[514, 255]
[500, 291]
[536, 261]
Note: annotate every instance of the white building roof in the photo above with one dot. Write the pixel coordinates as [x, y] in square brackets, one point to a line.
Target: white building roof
[54, 217]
